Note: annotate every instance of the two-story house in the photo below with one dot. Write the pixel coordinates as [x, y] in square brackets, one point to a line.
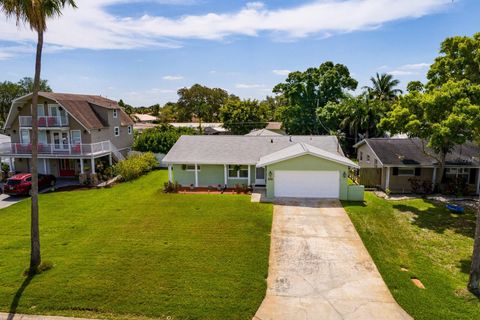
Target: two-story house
[74, 131]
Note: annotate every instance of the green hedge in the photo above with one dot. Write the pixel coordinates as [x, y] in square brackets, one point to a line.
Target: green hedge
[136, 165]
[159, 139]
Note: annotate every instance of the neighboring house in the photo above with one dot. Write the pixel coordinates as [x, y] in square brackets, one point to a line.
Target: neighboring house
[209, 128]
[74, 131]
[392, 164]
[263, 132]
[144, 118]
[275, 127]
[296, 166]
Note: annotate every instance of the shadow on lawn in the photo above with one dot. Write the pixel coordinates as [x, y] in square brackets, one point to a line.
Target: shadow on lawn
[18, 296]
[437, 218]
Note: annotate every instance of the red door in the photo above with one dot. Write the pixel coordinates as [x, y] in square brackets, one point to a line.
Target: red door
[67, 167]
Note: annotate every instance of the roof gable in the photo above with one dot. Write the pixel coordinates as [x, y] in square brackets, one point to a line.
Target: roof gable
[301, 149]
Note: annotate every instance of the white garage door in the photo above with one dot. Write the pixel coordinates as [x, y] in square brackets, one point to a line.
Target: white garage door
[307, 184]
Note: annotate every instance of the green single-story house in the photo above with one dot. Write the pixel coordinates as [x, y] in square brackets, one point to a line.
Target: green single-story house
[286, 166]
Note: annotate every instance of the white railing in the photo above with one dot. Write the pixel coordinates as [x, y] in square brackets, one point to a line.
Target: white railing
[92, 149]
[44, 122]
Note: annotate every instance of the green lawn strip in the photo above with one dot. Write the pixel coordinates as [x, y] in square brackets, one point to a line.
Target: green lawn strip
[433, 244]
[132, 250]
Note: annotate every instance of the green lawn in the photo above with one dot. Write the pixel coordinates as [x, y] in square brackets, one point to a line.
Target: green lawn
[132, 251]
[434, 245]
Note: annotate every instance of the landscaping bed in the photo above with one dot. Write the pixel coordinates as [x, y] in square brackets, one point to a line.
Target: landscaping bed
[420, 239]
[134, 252]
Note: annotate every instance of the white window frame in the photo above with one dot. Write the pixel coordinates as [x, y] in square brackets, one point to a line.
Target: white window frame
[191, 167]
[130, 130]
[71, 136]
[230, 168]
[115, 113]
[44, 134]
[410, 173]
[368, 158]
[41, 107]
[455, 172]
[116, 131]
[21, 136]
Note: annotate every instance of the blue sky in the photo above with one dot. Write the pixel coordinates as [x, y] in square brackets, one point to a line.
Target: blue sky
[143, 51]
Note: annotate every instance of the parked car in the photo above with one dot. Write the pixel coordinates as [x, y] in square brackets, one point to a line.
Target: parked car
[21, 184]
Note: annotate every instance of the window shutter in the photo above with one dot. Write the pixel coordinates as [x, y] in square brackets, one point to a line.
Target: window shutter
[395, 171]
[418, 172]
[473, 175]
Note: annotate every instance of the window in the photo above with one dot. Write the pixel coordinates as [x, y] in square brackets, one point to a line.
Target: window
[40, 110]
[237, 172]
[406, 172]
[116, 131]
[42, 137]
[361, 156]
[76, 137]
[457, 173]
[368, 158]
[191, 167]
[129, 129]
[115, 113]
[25, 136]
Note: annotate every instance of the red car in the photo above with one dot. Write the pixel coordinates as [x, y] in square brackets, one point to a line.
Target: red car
[20, 184]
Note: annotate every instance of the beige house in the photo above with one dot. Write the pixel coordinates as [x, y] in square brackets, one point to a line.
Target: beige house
[74, 132]
[392, 164]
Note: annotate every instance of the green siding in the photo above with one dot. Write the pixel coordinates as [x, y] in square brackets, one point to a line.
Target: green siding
[208, 175]
[356, 193]
[307, 162]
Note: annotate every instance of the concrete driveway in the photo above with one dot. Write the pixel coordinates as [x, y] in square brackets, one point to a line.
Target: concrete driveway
[320, 269]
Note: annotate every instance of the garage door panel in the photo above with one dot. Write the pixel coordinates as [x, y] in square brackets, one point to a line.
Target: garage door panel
[307, 184]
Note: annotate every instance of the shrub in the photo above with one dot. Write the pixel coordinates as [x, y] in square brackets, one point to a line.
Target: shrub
[136, 165]
[159, 139]
[170, 187]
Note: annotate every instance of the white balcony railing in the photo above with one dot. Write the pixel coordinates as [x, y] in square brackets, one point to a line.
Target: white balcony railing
[93, 149]
[44, 122]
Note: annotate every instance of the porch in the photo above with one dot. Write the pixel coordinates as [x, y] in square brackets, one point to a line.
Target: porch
[216, 175]
[56, 150]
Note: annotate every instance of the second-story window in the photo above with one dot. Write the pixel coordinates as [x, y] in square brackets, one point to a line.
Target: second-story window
[115, 113]
[129, 129]
[116, 131]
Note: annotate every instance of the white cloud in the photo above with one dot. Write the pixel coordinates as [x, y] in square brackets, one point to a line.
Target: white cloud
[172, 78]
[91, 26]
[248, 86]
[281, 72]
[410, 69]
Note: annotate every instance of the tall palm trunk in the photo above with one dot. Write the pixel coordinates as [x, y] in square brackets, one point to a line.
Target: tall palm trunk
[35, 257]
[474, 280]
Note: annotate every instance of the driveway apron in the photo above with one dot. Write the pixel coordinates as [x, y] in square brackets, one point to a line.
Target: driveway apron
[320, 269]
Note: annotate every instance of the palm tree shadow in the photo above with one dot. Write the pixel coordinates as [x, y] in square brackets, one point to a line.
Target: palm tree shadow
[18, 295]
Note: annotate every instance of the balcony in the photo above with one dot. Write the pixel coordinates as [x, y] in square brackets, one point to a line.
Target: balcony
[56, 150]
[44, 122]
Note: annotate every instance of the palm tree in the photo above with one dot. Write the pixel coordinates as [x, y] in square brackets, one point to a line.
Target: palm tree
[383, 87]
[35, 13]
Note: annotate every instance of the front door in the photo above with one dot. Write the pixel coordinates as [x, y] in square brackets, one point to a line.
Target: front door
[260, 176]
[67, 167]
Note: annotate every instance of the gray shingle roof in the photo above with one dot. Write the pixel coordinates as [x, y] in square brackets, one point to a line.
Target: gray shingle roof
[410, 152]
[239, 149]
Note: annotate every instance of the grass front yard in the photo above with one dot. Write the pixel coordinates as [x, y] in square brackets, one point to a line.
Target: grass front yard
[429, 243]
[134, 252]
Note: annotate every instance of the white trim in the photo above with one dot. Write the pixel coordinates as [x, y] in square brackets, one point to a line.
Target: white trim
[93, 165]
[387, 178]
[478, 181]
[115, 131]
[434, 178]
[115, 113]
[170, 178]
[71, 136]
[196, 175]
[21, 136]
[129, 129]
[407, 174]
[225, 174]
[82, 170]
[238, 172]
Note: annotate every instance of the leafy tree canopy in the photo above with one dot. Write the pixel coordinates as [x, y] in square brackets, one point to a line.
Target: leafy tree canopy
[201, 102]
[307, 91]
[241, 117]
[159, 139]
[459, 60]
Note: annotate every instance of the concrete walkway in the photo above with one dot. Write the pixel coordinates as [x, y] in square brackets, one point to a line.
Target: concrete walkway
[7, 316]
[320, 269]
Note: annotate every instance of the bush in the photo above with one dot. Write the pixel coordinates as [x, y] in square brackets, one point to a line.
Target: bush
[170, 187]
[159, 139]
[136, 165]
